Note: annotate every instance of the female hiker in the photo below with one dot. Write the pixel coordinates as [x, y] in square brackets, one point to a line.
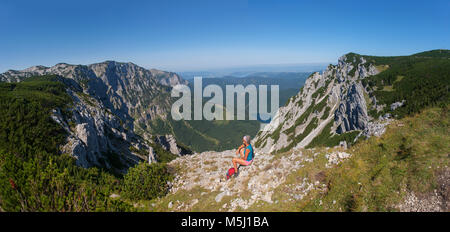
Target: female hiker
[246, 154]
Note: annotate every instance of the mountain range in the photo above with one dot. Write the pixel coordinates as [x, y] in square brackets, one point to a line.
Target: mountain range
[367, 134]
[110, 116]
[112, 106]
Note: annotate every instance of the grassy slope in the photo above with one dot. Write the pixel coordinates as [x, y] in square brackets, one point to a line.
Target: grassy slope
[421, 79]
[377, 176]
[381, 170]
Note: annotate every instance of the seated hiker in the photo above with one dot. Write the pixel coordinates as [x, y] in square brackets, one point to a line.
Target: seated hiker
[246, 154]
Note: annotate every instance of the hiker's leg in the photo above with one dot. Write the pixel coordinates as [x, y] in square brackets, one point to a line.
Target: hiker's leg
[238, 161]
[234, 164]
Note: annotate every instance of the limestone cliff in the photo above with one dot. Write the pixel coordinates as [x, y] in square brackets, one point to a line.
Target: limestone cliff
[331, 103]
[113, 103]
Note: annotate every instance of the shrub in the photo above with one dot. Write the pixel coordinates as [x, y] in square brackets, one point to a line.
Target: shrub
[146, 181]
[33, 175]
[421, 81]
[53, 183]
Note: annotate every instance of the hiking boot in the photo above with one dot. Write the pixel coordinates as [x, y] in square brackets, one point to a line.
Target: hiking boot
[236, 174]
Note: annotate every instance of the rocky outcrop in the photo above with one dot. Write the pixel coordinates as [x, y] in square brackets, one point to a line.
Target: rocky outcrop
[151, 155]
[437, 200]
[256, 183]
[352, 111]
[261, 184]
[333, 100]
[97, 138]
[396, 105]
[131, 92]
[106, 69]
[169, 143]
[113, 105]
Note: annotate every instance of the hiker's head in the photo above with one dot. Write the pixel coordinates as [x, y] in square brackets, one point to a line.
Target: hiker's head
[246, 139]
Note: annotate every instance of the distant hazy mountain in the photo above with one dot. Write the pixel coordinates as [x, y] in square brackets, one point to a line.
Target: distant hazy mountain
[255, 69]
[286, 80]
[289, 82]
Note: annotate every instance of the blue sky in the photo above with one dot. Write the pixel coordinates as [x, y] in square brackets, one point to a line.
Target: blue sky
[199, 35]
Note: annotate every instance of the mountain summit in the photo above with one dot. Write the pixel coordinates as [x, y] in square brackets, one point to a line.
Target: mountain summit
[356, 98]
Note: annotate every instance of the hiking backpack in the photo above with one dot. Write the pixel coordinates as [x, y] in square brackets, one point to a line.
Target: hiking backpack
[230, 173]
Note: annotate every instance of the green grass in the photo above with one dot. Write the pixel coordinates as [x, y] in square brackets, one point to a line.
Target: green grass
[391, 87]
[326, 113]
[297, 139]
[327, 140]
[368, 101]
[86, 98]
[302, 118]
[380, 172]
[381, 68]
[276, 133]
[319, 92]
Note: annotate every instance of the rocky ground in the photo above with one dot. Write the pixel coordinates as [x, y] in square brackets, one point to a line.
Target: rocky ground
[255, 183]
[436, 201]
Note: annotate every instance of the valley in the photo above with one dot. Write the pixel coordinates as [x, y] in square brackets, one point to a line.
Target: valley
[369, 133]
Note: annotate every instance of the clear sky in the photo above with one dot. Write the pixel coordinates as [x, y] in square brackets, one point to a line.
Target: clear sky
[197, 35]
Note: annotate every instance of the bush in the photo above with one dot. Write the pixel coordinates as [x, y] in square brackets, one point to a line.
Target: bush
[25, 124]
[146, 181]
[33, 175]
[53, 183]
[421, 81]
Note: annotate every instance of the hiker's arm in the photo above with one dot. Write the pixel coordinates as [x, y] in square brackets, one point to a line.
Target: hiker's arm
[239, 149]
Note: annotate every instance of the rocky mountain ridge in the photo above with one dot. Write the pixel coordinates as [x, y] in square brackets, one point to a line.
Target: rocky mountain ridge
[112, 105]
[330, 104]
